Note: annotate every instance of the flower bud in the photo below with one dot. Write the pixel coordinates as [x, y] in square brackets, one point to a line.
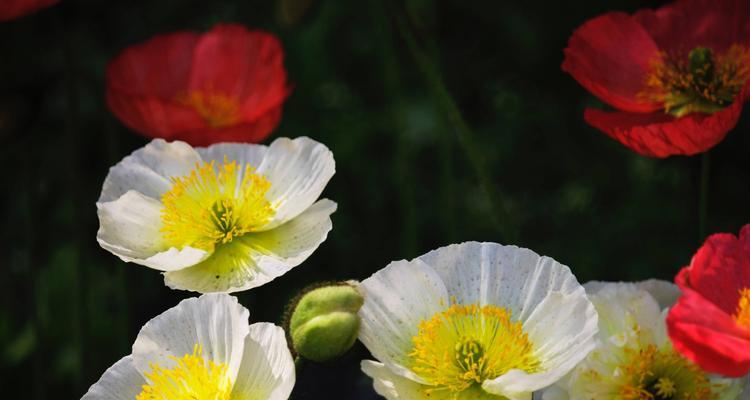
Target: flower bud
[324, 322]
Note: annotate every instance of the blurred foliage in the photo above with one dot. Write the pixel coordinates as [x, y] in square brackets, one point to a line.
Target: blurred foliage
[69, 309]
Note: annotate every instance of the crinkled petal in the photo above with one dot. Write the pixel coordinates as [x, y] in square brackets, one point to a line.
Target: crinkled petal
[255, 259]
[120, 382]
[686, 24]
[709, 336]
[149, 170]
[395, 387]
[298, 170]
[267, 368]
[661, 135]
[562, 329]
[506, 276]
[720, 269]
[397, 299]
[242, 153]
[611, 56]
[216, 322]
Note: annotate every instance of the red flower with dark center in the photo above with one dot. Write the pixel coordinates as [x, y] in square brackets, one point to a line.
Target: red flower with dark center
[227, 85]
[676, 75]
[10, 9]
[710, 324]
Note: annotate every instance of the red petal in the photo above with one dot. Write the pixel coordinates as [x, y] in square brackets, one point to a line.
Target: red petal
[719, 269]
[686, 24]
[159, 67]
[252, 132]
[10, 9]
[152, 116]
[660, 135]
[610, 56]
[145, 82]
[705, 334]
[246, 64]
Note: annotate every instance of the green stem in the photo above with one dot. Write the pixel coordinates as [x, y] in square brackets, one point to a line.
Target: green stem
[429, 71]
[703, 205]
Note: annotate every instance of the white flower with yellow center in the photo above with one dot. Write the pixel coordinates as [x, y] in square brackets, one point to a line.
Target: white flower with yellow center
[473, 321]
[202, 349]
[634, 358]
[223, 218]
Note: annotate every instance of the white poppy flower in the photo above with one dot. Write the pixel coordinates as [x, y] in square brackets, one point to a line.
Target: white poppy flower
[474, 321]
[204, 349]
[223, 218]
[634, 358]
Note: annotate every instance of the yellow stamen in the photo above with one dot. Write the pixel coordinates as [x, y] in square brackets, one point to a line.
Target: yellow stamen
[699, 82]
[192, 378]
[214, 205]
[468, 344]
[216, 108]
[653, 374]
[742, 315]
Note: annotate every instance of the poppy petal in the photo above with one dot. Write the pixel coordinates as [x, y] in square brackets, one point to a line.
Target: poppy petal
[720, 268]
[249, 132]
[707, 335]
[610, 56]
[685, 24]
[247, 65]
[661, 135]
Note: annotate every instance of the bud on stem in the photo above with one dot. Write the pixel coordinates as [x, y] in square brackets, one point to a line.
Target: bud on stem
[324, 323]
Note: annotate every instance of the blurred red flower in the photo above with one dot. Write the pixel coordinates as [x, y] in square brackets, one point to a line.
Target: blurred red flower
[710, 324]
[10, 9]
[226, 85]
[676, 75]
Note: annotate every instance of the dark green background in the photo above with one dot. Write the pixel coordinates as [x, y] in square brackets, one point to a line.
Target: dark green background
[403, 184]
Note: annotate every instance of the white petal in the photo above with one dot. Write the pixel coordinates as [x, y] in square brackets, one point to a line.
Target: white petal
[267, 368]
[256, 259]
[506, 276]
[393, 386]
[216, 322]
[622, 305]
[242, 153]
[148, 170]
[298, 170]
[397, 299]
[120, 382]
[562, 329]
[129, 227]
[664, 292]
[554, 392]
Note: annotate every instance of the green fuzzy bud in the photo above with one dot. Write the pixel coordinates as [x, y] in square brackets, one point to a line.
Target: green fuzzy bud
[324, 323]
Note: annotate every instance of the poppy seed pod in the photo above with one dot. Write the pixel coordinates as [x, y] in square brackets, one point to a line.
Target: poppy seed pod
[324, 323]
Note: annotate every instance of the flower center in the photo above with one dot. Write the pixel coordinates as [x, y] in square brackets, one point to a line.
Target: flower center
[217, 109]
[742, 315]
[192, 378]
[701, 82]
[468, 344]
[653, 374]
[214, 205]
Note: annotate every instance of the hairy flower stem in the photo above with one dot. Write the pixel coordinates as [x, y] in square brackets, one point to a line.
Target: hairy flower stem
[429, 71]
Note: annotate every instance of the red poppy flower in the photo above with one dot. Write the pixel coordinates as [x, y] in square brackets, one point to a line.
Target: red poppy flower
[10, 9]
[676, 75]
[227, 85]
[710, 324]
